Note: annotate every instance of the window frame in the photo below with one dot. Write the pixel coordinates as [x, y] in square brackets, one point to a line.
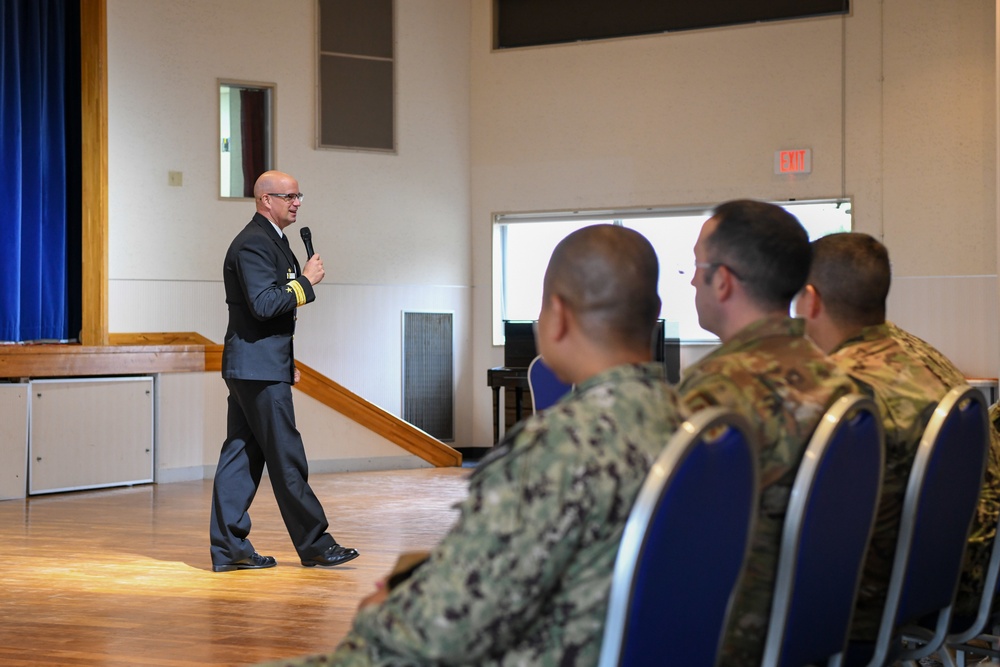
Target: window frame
[501, 223]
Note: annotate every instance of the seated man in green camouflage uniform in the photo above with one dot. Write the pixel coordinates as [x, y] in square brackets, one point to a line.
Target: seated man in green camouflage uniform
[844, 306]
[984, 524]
[750, 260]
[524, 575]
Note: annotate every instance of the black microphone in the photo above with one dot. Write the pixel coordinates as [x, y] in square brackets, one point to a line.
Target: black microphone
[307, 238]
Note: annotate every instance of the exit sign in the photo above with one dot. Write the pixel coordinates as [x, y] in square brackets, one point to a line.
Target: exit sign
[797, 161]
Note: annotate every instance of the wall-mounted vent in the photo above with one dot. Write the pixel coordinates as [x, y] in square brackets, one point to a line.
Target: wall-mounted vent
[428, 373]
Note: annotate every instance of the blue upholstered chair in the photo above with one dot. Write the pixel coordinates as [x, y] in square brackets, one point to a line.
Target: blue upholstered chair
[683, 548]
[827, 528]
[984, 627]
[545, 387]
[938, 507]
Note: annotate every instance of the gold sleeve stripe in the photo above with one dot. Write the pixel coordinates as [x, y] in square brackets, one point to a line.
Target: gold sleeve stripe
[300, 294]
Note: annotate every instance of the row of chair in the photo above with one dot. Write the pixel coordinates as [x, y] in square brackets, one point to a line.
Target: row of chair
[683, 548]
[673, 578]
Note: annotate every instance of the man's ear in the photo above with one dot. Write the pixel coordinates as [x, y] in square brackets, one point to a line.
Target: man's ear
[808, 303]
[723, 283]
[561, 315]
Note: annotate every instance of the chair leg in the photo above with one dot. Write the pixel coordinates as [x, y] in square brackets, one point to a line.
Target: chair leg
[979, 655]
[944, 655]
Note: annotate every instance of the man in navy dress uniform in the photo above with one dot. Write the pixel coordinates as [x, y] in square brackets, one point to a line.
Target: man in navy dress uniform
[263, 289]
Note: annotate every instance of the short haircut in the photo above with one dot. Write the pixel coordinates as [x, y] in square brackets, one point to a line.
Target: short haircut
[851, 272]
[607, 275]
[765, 246]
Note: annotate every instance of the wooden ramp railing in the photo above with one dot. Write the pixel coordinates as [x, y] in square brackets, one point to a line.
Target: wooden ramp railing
[192, 352]
[327, 392]
[375, 419]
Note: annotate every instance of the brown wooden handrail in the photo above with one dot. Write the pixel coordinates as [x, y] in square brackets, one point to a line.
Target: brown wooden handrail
[374, 418]
[327, 392]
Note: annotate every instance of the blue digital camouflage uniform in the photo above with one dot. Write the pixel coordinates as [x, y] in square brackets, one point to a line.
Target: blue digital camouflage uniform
[783, 384]
[524, 575]
[984, 524]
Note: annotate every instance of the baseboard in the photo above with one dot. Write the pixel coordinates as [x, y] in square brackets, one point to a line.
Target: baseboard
[472, 455]
[366, 464]
[188, 474]
[316, 467]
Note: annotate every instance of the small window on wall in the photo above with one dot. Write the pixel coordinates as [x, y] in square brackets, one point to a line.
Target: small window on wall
[246, 136]
[356, 75]
[523, 243]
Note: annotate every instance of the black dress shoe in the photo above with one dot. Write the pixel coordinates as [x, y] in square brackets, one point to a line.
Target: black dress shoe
[335, 555]
[254, 562]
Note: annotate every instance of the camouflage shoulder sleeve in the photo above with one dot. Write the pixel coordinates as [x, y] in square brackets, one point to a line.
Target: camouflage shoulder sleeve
[704, 389]
[484, 582]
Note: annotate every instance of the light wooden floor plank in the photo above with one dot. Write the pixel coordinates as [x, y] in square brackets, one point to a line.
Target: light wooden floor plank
[123, 577]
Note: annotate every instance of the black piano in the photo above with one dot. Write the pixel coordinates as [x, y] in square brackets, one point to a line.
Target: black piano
[519, 350]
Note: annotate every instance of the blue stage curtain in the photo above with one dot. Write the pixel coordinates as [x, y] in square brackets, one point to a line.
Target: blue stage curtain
[33, 175]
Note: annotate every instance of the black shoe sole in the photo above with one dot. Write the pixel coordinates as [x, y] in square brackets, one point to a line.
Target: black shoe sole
[229, 567]
[313, 563]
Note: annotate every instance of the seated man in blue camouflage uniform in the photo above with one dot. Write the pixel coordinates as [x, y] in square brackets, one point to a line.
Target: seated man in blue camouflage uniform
[751, 258]
[844, 306]
[523, 577]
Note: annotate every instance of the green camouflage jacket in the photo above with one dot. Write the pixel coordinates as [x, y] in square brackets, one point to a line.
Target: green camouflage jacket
[984, 523]
[906, 389]
[782, 383]
[523, 576]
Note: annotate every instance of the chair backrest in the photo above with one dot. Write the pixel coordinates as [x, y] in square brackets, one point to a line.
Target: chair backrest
[962, 630]
[545, 387]
[684, 546]
[984, 626]
[825, 536]
[938, 507]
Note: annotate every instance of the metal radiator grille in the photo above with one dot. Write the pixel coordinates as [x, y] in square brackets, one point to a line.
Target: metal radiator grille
[428, 385]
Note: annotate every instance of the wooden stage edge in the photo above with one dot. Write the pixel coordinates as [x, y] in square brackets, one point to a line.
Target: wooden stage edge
[67, 360]
[188, 352]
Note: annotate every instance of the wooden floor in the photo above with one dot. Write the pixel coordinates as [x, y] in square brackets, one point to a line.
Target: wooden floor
[123, 576]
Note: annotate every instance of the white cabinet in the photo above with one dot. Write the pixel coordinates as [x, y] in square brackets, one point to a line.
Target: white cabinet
[90, 433]
[13, 440]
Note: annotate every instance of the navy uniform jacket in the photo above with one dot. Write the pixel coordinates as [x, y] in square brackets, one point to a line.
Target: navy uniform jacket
[263, 289]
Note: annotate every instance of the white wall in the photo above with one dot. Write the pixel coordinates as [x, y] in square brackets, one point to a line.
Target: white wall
[896, 102]
[939, 137]
[393, 230]
[191, 427]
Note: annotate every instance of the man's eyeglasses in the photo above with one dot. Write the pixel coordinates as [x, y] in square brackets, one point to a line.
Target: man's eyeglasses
[711, 266]
[287, 197]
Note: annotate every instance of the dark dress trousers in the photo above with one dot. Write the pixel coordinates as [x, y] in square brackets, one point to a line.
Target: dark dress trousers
[263, 289]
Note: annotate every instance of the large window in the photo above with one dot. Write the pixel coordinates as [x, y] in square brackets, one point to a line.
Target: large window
[523, 244]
